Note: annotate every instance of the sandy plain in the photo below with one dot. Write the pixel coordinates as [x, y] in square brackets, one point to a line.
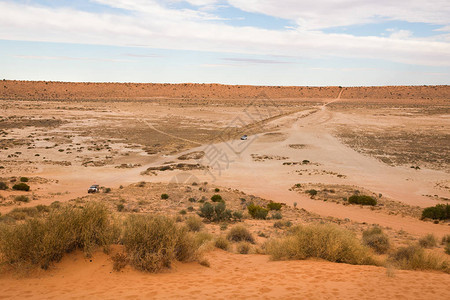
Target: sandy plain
[67, 136]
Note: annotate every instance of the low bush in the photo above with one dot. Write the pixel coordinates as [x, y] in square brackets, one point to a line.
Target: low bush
[238, 215]
[438, 212]
[376, 239]
[152, 243]
[21, 187]
[273, 206]
[216, 190]
[276, 216]
[215, 213]
[324, 241]
[240, 233]
[120, 207]
[39, 242]
[257, 212]
[415, 258]
[182, 212]
[362, 200]
[428, 241]
[107, 190]
[22, 198]
[243, 247]
[282, 224]
[222, 243]
[120, 260]
[216, 198]
[194, 223]
[164, 196]
[23, 179]
[312, 192]
[3, 186]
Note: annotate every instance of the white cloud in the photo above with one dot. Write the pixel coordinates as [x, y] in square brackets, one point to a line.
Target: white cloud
[400, 34]
[150, 24]
[331, 13]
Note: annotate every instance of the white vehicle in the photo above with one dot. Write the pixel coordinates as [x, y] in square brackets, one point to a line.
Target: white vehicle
[244, 137]
[94, 189]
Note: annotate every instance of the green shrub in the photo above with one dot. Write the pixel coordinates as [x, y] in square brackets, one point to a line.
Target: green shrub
[207, 211]
[194, 223]
[39, 242]
[243, 247]
[164, 196]
[3, 186]
[21, 198]
[21, 187]
[447, 248]
[215, 213]
[428, 241]
[445, 239]
[415, 258]
[274, 206]
[312, 192]
[192, 199]
[216, 198]
[257, 212]
[222, 243]
[216, 190]
[182, 212]
[154, 242]
[240, 233]
[376, 239]
[438, 212]
[362, 200]
[107, 190]
[23, 179]
[324, 241]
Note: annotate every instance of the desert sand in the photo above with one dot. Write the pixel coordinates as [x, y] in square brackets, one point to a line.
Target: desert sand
[391, 142]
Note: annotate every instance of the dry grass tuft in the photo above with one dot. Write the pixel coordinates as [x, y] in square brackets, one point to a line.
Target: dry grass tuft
[324, 241]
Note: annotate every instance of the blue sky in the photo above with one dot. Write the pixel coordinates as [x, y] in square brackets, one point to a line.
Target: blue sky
[259, 42]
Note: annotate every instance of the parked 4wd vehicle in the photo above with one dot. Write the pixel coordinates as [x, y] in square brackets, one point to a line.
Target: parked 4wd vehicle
[244, 137]
[94, 189]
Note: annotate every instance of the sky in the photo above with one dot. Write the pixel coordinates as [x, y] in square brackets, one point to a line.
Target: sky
[257, 42]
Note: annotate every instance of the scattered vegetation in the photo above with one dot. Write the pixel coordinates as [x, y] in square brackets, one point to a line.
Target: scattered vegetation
[376, 239]
[21, 187]
[240, 233]
[257, 212]
[438, 212]
[362, 200]
[164, 196]
[23, 179]
[324, 241]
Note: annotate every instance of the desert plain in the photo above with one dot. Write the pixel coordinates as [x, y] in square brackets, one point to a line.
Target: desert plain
[140, 141]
